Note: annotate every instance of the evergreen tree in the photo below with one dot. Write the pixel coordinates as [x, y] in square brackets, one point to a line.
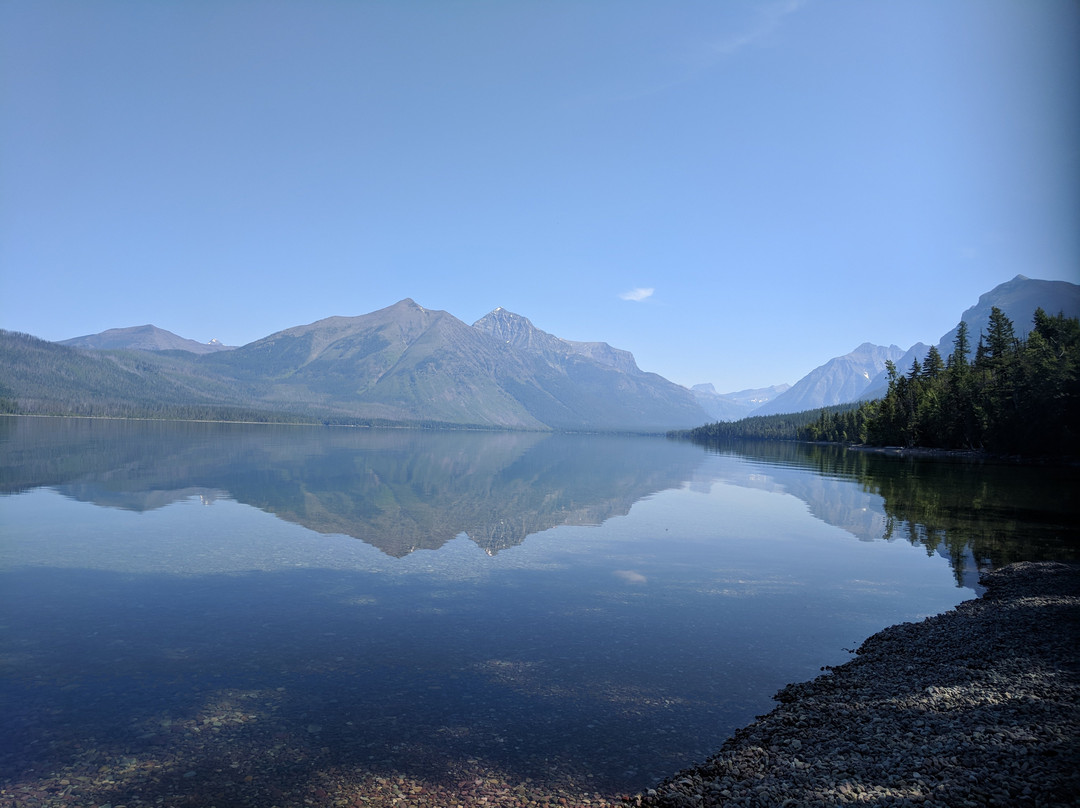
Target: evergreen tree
[961, 421]
[981, 356]
[961, 347]
[1000, 337]
[933, 367]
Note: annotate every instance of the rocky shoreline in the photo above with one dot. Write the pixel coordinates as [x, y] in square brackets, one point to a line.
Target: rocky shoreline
[978, 706]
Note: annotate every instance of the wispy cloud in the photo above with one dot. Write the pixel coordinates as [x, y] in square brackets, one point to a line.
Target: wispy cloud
[769, 17]
[745, 32]
[637, 294]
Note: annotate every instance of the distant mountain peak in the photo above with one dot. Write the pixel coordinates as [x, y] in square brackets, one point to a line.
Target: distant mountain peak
[841, 379]
[142, 338]
[518, 331]
[732, 406]
[500, 313]
[871, 348]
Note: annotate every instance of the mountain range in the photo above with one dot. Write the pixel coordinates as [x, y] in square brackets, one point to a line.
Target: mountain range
[404, 364]
[732, 406]
[408, 365]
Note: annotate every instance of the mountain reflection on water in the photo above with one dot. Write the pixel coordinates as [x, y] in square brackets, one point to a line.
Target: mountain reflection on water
[981, 513]
[397, 490]
[407, 490]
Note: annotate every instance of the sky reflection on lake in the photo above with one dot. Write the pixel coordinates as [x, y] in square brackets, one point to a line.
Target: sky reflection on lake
[590, 610]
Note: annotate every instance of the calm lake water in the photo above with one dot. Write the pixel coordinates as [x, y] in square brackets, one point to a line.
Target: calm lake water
[231, 607]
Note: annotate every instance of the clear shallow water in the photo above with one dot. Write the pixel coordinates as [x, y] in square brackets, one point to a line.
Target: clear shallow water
[190, 606]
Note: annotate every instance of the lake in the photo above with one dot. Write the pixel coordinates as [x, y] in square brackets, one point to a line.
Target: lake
[254, 615]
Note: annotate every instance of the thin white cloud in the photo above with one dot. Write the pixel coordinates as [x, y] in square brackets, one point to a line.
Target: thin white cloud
[765, 19]
[637, 294]
[770, 16]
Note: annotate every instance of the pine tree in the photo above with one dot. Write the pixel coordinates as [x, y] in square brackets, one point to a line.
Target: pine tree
[933, 367]
[961, 347]
[997, 390]
[962, 427]
[1000, 337]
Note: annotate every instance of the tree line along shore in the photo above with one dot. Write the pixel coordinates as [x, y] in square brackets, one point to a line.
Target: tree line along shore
[1015, 397]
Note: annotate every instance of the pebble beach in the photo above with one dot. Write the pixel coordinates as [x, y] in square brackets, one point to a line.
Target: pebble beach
[979, 706]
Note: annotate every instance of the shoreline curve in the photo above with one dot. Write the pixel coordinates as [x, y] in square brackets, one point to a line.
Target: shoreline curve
[976, 706]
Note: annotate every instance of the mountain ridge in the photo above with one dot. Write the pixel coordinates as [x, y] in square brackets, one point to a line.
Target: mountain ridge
[841, 379]
[403, 364]
[519, 331]
[143, 338]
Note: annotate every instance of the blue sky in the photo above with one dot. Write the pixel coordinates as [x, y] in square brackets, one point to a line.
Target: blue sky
[734, 191]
